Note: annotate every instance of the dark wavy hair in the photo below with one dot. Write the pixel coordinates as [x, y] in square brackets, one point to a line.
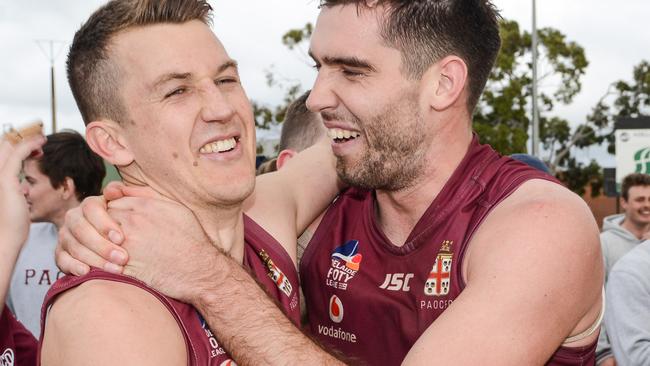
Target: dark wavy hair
[425, 31]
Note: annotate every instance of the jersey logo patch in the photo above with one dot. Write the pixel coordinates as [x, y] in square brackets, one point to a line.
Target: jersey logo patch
[215, 348]
[336, 309]
[346, 262]
[228, 363]
[439, 280]
[349, 253]
[276, 274]
[7, 358]
[397, 282]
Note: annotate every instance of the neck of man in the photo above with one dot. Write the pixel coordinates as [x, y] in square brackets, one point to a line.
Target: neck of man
[58, 220]
[224, 225]
[639, 230]
[59, 217]
[398, 212]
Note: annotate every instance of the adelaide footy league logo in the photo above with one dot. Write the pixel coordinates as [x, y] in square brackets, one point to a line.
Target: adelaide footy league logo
[439, 279]
[336, 309]
[346, 262]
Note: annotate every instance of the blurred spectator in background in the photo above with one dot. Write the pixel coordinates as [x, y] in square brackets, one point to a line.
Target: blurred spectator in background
[17, 345]
[622, 233]
[532, 161]
[66, 173]
[627, 314]
[300, 130]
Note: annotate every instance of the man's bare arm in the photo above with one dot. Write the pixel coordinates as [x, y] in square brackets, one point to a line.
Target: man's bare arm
[285, 202]
[534, 277]
[255, 330]
[14, 214]
[243, 317]
[109, 323]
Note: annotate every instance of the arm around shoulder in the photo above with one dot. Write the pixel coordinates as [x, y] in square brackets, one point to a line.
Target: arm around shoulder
[110, 323]
[287, 201]
[256, 331]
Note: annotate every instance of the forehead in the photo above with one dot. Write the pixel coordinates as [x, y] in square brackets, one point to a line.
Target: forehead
[345, 30]
[639, 191]
[144, 53]
[31, 168]
[30, 164]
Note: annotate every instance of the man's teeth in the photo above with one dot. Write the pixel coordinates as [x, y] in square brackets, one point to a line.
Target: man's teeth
[219, 146]
[337, 133]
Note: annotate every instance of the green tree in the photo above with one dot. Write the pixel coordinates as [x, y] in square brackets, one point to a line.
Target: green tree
[503, 116]
[267, 115]
[623, 99]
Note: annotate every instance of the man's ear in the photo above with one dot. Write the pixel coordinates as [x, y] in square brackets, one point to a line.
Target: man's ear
[444, 82]
[284, 156]
[68, 188]
[106, 140]
[623, 203]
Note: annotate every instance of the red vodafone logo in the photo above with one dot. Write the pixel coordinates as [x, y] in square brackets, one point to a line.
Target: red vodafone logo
[336, 309]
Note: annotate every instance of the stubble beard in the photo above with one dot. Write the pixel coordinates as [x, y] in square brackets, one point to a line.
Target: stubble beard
[395, 154]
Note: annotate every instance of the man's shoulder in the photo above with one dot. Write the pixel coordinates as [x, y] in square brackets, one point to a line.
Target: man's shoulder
[611, 237]
[103, 315]
[616, 239]
[42, 233]
[104, 301]
[613, 221]
[42, 228]
[540, 217]
[635, 262]
[537, 197]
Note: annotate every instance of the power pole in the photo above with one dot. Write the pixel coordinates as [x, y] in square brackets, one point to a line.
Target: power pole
[535, 142]
[51, 55]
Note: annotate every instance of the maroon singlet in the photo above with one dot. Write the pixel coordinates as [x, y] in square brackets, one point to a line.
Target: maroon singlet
[17, 344]
[372, 300]
[263, 255]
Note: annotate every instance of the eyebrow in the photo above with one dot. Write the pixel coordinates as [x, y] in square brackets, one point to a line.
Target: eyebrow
[168, 77]
[226, 65]
[185, 76]
[345, 61]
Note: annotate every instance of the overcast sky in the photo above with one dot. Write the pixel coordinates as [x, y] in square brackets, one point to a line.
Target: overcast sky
[615, 37]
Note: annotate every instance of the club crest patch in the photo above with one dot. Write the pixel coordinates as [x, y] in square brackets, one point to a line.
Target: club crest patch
[276, 274]
[439, 280]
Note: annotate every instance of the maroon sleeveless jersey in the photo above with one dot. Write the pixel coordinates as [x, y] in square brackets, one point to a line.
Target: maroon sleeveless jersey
[372, 300]
[263, 255]
[17, 344]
